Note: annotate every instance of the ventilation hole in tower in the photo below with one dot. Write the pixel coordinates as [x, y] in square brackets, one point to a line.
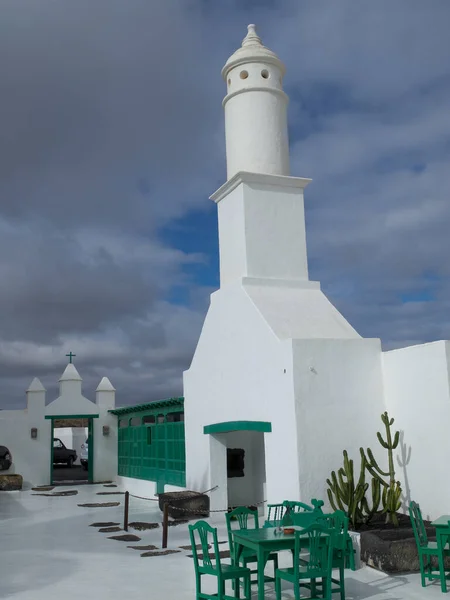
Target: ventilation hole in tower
[265, 74]
[243, 74]
[229, 82]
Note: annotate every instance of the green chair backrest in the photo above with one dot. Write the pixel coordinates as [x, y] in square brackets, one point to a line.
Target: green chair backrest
[321, 544]
[276, 512]
[338, 522]
[296, 507]
[207, 536]
[317, 504]
[305, 518]
[241, 516]
[420, 533]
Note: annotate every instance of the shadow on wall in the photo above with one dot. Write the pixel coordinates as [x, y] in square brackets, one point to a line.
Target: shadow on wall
[403, 460]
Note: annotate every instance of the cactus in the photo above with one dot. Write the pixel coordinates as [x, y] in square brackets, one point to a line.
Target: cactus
[345, 495]
[391, 489]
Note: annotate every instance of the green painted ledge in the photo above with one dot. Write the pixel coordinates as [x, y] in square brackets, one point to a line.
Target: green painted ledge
[71, 416]
[263, 426]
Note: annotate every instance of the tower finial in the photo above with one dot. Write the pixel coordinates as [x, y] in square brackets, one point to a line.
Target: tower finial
[252, 38]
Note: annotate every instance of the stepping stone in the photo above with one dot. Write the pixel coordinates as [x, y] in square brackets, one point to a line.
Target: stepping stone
[149, 547]
[109, 485]
[108, 493]
[198, 547]
[68, 493]
[99, 505]
[109, 529]
[159, 553]
[44, 488]
[140, 526]
[125, 538]
[103, 524]
[177, 522]
[223, 554]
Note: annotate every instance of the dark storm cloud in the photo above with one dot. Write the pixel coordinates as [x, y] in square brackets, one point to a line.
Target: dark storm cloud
[112, 125]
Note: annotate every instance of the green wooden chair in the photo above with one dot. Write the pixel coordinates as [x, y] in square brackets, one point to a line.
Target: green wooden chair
[207, 565]
[427, 549]
[338, 522]
[296, 507]
[241, 516]
[304, 573]
[277, 512]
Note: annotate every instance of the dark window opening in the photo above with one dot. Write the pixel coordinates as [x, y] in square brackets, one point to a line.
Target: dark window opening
[175, 417]
[148, 419]
[235, 462]
[161, 419]
[135, 422]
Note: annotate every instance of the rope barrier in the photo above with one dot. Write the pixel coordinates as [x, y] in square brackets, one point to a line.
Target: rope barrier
[167, 507]
[179, 498]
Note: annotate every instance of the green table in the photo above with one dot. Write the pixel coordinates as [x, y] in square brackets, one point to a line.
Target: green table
[442, 537]
[263, 542]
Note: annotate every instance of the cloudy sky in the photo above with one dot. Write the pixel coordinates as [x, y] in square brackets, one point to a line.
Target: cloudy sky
[111, 141]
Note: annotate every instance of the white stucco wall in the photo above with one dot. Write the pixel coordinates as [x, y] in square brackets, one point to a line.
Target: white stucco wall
[105, 446]
[31, 458]
[240, 372]
[416, 381]
[339, 400]
[262, 228]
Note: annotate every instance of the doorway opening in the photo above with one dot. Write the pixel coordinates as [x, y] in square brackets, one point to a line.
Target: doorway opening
[72, 446]
[237, 462]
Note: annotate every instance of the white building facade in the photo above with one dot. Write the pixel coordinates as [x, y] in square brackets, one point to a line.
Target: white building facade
[280, 383]
[29, 433]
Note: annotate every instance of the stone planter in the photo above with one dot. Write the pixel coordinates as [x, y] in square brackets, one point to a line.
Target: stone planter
[191, 505]
[10, 483]
[394, 551]
[356, 539]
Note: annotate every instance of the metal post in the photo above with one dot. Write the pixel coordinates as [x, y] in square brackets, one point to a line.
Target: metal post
[125, 513]
[165, 524]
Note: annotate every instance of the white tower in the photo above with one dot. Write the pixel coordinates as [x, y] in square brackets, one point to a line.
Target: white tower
[255, 110]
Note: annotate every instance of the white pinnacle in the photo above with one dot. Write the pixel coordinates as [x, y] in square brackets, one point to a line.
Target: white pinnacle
[252, 38]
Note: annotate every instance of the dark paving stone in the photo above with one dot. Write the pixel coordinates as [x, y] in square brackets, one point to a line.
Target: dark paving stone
[99, 505]
[68, 493]
[223, 554]
[109, 485]
[44, 488]
[177, 522]
[125, 538]
[198, 547]
[104, 524]
[140, 526]
[149, 547]
[109, 493]
[159, 553]
[109, 529]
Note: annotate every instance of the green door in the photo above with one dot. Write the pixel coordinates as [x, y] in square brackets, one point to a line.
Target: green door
[91, 450]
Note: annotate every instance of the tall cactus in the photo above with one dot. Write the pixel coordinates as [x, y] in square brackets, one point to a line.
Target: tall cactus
[391, 489]
[344, 494]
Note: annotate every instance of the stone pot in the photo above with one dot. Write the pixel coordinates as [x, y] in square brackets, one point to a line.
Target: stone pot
[394, 551]
[191, 505]
[10, 483]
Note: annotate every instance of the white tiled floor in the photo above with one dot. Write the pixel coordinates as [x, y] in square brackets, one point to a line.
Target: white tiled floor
[48, 551]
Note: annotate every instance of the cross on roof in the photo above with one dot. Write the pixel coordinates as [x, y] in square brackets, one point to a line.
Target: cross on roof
[70, 355]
